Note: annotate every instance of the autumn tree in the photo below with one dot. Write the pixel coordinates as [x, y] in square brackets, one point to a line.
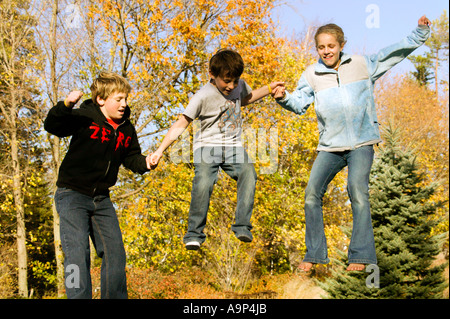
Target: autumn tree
[423, 119]
[59, 24]
[17, 103]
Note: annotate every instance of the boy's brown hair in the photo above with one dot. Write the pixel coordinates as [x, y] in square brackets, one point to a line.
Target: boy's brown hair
[108, 83]
[226, 63]
[334, 30]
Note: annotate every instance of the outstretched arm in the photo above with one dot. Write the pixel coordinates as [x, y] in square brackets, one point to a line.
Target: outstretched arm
[261, 92]
[378, 64]
[299, 100]
[174, 132]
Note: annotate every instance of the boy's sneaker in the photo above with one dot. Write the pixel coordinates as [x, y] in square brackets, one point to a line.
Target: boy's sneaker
[244, 238]
[193, 245]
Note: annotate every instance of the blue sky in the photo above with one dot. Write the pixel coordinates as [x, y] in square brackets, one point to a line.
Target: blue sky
[365, 35]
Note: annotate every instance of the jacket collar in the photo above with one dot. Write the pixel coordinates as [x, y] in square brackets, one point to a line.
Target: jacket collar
[320, 67]
[93, 108]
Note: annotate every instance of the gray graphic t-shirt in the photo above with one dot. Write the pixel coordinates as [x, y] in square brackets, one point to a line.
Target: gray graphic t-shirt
[219, 116]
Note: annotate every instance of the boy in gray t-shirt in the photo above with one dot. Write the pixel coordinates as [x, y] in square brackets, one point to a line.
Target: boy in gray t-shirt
[217, 143]
[219, 115]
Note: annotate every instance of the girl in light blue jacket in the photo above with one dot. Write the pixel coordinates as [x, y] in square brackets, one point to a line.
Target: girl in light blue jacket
[341, 86]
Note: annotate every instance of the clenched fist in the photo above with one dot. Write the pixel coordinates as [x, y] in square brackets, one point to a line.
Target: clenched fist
[73, 98]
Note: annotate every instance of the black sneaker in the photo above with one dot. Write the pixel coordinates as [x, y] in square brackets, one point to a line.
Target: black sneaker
[244, 238]
[193, 245]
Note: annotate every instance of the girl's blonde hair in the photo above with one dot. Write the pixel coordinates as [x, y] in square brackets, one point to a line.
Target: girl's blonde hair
[334, 30]
[108, 83]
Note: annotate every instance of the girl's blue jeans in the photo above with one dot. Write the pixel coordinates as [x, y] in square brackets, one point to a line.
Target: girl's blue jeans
[82, 217]
[325, 167]
[235, 162]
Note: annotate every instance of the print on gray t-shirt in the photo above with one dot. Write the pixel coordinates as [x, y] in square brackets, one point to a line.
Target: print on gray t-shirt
[219, 116]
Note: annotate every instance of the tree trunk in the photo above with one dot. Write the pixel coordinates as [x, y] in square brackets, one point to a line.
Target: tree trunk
[436, 68]
[59, 255]
[20, 212]
[56, 151]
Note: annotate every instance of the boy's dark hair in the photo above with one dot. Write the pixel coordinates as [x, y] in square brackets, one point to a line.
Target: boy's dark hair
[226, 63]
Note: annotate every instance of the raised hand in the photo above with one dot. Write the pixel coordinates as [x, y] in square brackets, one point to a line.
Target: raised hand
[424, 21]
[73, 98]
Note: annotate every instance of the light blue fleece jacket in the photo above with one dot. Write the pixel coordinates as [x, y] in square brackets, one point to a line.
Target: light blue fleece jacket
[344, 101]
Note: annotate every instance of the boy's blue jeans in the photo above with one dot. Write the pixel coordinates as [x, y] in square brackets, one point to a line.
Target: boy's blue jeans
[82, 217]
[235, 162]
[325, 167]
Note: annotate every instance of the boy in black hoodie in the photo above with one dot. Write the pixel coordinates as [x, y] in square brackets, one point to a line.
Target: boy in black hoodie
[103, 138]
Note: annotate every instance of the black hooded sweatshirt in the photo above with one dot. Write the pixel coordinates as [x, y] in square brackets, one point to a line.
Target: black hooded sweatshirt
[96, 150]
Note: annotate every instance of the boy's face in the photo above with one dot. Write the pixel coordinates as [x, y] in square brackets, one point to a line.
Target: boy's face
[329, 49]
[226, 85]
[114, 106]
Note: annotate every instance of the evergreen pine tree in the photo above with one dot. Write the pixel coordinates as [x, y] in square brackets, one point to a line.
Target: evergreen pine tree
[423, 65]
[405, 247]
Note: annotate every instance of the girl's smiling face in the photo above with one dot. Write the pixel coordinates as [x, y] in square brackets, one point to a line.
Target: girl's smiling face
[329, 50]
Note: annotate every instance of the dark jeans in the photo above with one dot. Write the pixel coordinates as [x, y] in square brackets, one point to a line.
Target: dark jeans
[82, 217]
[235, 162]
[325, 167]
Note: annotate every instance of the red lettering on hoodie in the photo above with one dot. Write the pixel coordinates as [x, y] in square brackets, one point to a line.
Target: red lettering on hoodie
[127, 141]
[105, 136]
[105, 133]
[120, 139]
[96, 129]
